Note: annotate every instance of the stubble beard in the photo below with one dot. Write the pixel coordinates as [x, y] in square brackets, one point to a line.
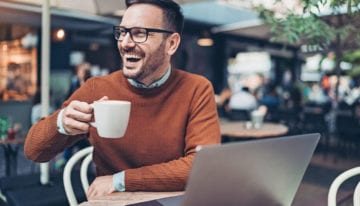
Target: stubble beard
[149, 67]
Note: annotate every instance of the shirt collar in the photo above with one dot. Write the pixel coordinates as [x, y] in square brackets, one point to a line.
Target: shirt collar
[157, 83]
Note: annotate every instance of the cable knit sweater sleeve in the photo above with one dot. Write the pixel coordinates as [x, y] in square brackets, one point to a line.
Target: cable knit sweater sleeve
[44, 142]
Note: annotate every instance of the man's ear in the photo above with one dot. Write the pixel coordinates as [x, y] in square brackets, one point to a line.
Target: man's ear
[173, 43]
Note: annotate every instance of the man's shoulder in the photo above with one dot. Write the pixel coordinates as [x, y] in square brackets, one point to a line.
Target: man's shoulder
[109, 77]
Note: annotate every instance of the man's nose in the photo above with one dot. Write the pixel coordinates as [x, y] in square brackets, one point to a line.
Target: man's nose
[127, 41]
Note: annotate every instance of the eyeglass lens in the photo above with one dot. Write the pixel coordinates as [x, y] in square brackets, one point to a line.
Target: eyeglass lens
[138, 35]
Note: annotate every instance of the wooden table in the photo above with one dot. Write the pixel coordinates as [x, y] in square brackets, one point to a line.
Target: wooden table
[125, 198]
[244, 130]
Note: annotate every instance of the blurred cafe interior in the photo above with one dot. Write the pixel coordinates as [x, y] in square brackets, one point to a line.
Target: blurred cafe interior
[208, 47]
[231, 46]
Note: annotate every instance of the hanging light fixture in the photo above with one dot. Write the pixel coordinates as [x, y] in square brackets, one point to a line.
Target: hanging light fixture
[59, 35]
[205, 40]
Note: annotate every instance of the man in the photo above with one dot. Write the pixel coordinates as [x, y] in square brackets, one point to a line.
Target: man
[17, 86]
[82, 73]
[243, 100]
[172, 111]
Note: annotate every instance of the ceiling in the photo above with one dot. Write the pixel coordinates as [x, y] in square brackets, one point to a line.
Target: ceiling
[96, 15]
[28, 14]
[225, 18]
[220, 16]
[98, 7]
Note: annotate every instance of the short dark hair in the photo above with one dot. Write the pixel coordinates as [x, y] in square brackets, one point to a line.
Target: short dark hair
[173, 17]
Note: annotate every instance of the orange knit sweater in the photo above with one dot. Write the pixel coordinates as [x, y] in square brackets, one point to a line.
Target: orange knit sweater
[165, 126]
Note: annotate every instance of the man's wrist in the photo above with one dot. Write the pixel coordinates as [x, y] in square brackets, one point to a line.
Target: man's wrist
[119, 181]
[60, 127]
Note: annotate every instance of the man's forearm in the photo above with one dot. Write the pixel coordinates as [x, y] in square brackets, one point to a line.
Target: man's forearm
[44, 142]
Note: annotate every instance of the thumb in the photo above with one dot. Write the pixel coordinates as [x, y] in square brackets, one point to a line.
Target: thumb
[104, 98]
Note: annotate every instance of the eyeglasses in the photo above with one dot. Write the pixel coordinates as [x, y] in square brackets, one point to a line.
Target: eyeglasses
[137, 34]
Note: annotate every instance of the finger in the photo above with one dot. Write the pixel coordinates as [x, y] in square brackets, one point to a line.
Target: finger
[78, 115]
[104, 98]
[74, 127]
[83, 107]
[91, 193]
[75, 122]
[80, 111]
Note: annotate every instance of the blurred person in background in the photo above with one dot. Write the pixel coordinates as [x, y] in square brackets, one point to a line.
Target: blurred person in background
[272, 100]
[317, 95]
[243, 100]
[16, 88]
[82, 73]
[241, 103]
[36, 107]
[271, 97]
[222, 102]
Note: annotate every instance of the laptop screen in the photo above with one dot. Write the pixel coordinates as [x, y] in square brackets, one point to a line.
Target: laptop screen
[257, 172]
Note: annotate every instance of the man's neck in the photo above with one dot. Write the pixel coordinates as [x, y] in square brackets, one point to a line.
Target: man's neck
[155, 83]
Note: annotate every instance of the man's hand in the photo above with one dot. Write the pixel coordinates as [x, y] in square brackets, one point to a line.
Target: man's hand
[102, 185]
[76, 117]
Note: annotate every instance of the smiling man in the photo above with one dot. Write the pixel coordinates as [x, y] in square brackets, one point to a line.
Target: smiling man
[172, 111]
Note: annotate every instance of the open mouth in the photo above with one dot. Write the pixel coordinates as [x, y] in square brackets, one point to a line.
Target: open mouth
[132, 58]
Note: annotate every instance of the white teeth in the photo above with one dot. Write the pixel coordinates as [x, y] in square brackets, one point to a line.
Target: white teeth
[132, 56]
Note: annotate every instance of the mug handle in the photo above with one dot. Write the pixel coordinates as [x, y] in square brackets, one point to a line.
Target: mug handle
[93, 124]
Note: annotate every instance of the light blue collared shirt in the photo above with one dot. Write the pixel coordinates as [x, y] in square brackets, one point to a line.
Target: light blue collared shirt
[157, 83]
[119, 178]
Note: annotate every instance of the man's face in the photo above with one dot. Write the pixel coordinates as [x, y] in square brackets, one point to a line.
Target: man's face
[144, 62]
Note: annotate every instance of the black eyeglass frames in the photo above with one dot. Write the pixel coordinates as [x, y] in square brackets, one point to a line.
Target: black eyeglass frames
[137, 34]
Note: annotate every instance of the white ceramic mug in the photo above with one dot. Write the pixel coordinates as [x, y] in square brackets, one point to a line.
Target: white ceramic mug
[111, 117]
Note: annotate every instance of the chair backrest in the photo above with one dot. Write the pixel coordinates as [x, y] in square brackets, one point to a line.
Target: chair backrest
[356, 197]
[334, 187]
[87, 153]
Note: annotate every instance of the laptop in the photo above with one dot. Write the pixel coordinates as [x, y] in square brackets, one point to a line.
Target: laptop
[256, 172]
